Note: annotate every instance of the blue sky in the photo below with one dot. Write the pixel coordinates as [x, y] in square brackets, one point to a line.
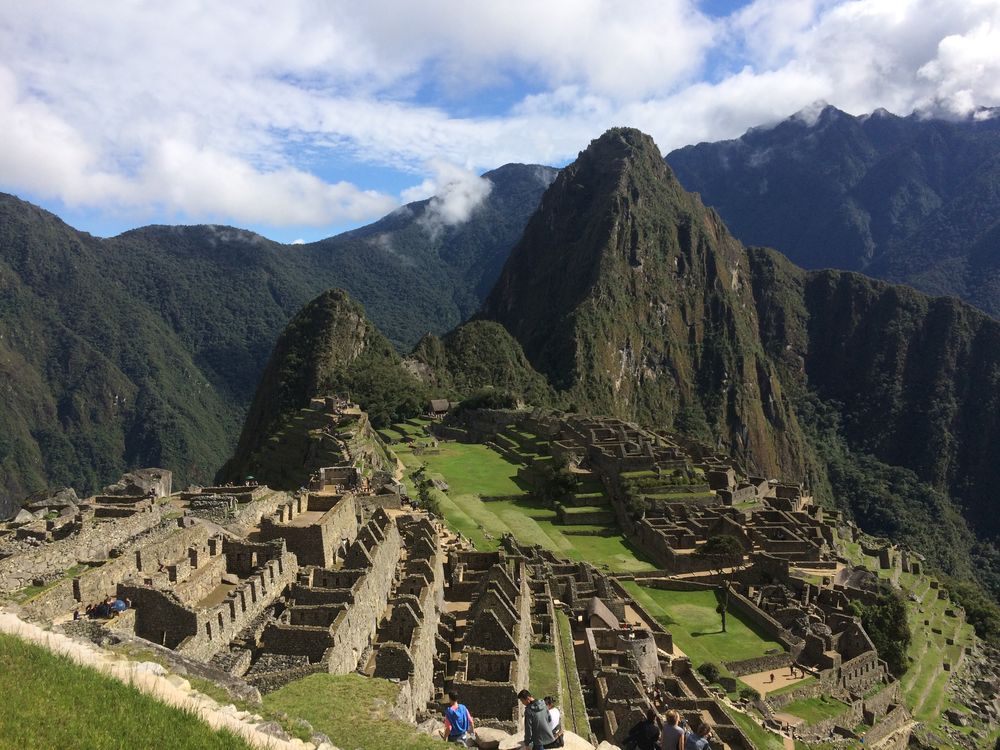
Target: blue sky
[301, 119]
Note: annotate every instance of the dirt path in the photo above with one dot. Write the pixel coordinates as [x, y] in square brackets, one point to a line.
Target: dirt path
[761, 681]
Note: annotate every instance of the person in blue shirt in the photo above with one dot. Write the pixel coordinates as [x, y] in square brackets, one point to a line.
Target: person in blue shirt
[458, 722]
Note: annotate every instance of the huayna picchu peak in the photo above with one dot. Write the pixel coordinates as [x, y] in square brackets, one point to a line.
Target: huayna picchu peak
[634, 299]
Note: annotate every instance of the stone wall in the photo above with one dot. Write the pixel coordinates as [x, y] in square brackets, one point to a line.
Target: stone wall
[148, 552]
[163, 618]
[96, 541]
[316, 543]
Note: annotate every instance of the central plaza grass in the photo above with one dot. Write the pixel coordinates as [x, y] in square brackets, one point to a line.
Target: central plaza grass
[350, 709]
[50, 701]
[697, 628]
[814, 710]
[474, 471]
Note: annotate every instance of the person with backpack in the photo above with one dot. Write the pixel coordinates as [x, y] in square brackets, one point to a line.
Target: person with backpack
[646, 734]
[698, 739]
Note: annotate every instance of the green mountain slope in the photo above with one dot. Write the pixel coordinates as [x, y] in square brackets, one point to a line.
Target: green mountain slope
[330, 348]
[476, 355]
[906, 199]
[634, 300]
[145, 349]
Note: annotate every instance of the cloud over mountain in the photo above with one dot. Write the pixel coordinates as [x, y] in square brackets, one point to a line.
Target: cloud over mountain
[290, 114]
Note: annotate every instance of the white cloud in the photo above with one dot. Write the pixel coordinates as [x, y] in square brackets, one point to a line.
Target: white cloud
[233, 112]
[298, 241]
[456, 191]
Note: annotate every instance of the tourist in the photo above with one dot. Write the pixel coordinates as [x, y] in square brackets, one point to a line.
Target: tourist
[646, 734]
[672, 737]
[555, 721]
[537, 730]
[458, 723]
[772, 676]
[698, 739]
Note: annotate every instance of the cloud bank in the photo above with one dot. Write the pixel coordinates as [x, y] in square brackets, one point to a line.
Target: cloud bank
[251, 112]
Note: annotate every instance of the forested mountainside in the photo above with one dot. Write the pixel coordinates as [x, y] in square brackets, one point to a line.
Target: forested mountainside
[906, 199]
[146, 348]
[634, 299]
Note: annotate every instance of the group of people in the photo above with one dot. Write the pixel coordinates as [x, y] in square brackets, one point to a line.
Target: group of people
[105, 609]
[542, 722]
[669, 733]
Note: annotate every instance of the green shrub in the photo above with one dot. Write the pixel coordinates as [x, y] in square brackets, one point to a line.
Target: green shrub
[710, 671]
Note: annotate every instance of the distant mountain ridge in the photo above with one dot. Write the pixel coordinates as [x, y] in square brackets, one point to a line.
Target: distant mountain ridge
[906, 199]
[146, 348]
[634, 299]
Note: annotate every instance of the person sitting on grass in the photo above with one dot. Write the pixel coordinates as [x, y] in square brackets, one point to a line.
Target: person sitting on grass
[458, 722]
[537, 729]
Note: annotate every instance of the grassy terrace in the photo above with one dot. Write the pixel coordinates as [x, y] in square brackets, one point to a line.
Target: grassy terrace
[49, 701]
[474, 471]
[574, 709]
[543, 675]
[351, 709]
[697, 628]
[814, 710]
[925, 682]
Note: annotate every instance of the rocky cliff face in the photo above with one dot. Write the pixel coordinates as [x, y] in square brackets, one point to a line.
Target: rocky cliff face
[635, 301]
[907, 199]
[915, 378]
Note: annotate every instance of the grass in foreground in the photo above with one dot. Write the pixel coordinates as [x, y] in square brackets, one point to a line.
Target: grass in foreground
[697, 628]
[49, 702]
[352, 710]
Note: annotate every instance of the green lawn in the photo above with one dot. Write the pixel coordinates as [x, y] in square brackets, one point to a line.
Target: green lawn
[543, 677]
[762, 738]
[473, 471]
[814, 710]
[697, 628]
[574, 709]
[51, 702]
[352, 710]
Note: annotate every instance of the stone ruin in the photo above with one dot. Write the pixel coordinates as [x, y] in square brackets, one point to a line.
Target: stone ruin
[264, 586]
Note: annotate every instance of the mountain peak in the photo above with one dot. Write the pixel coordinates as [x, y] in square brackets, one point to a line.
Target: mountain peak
[631, 297]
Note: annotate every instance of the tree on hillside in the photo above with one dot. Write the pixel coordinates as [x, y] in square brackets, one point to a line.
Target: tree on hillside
[724, 552]
[557, 482]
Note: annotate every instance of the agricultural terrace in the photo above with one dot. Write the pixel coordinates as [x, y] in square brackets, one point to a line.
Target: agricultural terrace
[474, 472]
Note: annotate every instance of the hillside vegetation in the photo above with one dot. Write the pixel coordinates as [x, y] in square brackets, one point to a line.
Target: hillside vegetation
[907, 199]
[146, 348]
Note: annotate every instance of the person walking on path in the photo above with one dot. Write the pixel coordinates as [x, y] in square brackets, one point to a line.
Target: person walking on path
[537, 729]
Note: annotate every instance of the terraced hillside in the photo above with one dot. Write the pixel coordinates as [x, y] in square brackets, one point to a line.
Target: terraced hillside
[491, 491]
